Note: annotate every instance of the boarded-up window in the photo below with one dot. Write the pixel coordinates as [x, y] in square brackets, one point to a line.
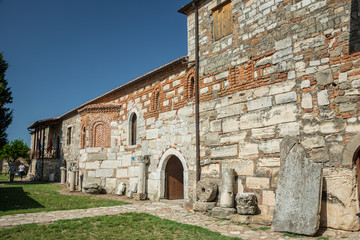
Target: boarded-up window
[222, 20]
[100, 137]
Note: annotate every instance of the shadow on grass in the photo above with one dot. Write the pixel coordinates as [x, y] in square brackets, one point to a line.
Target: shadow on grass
[14, 198]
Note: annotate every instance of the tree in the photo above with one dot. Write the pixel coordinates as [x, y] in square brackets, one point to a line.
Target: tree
[5, 98]
[11, 152]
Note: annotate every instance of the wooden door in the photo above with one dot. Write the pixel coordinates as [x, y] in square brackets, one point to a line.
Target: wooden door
[174, 183]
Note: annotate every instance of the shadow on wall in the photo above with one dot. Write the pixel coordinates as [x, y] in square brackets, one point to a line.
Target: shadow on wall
[354, 42]
[14, 198]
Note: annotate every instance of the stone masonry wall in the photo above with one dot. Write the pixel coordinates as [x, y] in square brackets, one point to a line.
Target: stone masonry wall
[285, 70]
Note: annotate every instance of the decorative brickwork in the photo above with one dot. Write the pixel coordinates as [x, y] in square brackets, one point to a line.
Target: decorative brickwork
[99, 134]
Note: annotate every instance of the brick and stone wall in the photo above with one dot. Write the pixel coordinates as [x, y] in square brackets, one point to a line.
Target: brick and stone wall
[287, 69]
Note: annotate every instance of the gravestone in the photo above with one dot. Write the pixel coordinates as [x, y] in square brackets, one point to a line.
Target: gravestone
[298, 198]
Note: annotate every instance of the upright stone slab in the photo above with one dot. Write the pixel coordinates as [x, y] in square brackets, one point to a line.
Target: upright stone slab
[298, 198]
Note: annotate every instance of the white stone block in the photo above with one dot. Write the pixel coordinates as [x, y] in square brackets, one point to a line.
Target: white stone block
[259, 103]
[268, 162]
[323, 98]
[221, 75]
[235, 109]
[289, 129]
[282, 87]
[241, 167]
[224, 151]
[122, 173]
[110, 164]
[152, 134]
[313, 142]
[280, 114]
[251, 120]
[257, 183]
[342, 77]
[306, 101]
[268, 198]
[286, 98]
[104, 173]
[247, 150]
[261, 133]
[270, 146]
[230, 124]
[236, 138]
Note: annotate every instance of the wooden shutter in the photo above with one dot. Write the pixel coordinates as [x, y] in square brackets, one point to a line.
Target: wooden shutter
[222, 20]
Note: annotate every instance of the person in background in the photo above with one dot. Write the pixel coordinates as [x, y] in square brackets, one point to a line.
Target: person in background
[21, 170]
[12, 171]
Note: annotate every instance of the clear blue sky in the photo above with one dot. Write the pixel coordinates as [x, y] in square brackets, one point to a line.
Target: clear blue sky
[63, 53]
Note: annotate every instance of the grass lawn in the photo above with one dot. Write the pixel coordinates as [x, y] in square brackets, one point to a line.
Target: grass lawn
[124, 226]
[5, 177]
[26, 198]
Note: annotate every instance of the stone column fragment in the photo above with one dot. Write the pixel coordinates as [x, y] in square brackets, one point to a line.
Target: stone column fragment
[227, 189]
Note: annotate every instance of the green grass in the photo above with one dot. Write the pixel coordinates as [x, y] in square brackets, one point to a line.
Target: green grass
[28, 198]
[292, 235]
[5, 177]
[125, 226]
[323, 238]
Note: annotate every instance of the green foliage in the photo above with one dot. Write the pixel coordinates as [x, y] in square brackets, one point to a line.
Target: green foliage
[29, 198]
[323, 238]
[5, 98]
[125, 226]
[14, 150]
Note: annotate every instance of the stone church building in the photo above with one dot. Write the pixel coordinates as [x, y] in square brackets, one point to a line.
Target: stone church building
[267, 70]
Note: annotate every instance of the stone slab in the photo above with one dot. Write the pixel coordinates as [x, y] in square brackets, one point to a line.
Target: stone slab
[223, 213]
[298, 198]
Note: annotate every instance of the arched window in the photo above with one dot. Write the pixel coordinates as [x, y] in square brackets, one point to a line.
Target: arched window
[191, 87]
[83, 137]
[157, 100]
[132, 135]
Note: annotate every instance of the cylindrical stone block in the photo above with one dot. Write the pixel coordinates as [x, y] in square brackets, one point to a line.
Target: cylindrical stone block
[227, 189]
[63, 175]
[72, 181]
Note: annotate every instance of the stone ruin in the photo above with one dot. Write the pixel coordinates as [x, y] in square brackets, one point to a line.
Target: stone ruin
[121, 189]
[93, 188]
[227, 195]
[206, 191]
[246, 203]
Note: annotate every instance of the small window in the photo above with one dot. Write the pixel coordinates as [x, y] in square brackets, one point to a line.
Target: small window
[133, 120]
[157, 100]
[83, 138]
[69, 136]
[222, 20]
[191, 87]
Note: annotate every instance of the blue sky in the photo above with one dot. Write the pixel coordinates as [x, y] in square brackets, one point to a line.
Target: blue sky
[63, 53]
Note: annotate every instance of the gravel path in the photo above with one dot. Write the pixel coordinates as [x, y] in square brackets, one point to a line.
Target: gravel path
[171, 210]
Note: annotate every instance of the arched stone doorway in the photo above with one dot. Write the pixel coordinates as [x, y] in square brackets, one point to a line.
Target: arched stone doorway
[174, 179]
[161, 172]
[357, 166]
